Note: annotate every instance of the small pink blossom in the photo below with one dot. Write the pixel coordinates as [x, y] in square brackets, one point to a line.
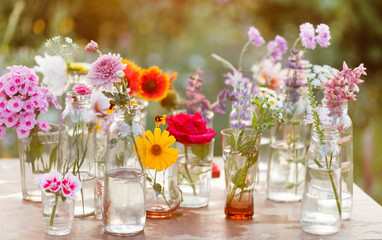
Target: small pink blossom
[10, 121]
[277, 48]
[17, 79]
[37, 102]
[255, 36]
[43, 125]
[27, 123]
[3, 103]
[82, 90]
[307, 35]
[50, 181]
[323, 36]
[92, 46]
[2, 132]
[15, 105]
[70, 185]
[1, 84]
[103, 72]
[29, 106]
[22, 132]
[10, 89]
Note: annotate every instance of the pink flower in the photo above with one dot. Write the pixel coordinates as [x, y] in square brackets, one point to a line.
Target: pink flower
[92, 46]
[255, 36]
[27, 122]
[307, 35]
[277, 47]
[43, 125]
[28, 106]
[100, 104]
[70, 185]
[2, 132]
[3, 103]
[10, 89]
[103, 72]
[55, 103]
[50, 181]
[22, 133]
[1, 84]
[82, 90]
[18, 79]
[323, 36]
[15, 105]
[36, 101]
[10, 121]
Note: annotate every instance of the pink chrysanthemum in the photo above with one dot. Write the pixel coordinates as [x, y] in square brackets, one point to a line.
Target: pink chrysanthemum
[103, 72]
[323, 36]
[70, 185]
[255, 36]
[307, 35]
[82, 90]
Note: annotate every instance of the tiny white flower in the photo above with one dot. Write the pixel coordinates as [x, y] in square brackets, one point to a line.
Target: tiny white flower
[68, 40]
[56, 38]
[316, 83]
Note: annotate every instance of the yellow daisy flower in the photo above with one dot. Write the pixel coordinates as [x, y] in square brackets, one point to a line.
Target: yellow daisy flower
[160, 120]
[158, 155]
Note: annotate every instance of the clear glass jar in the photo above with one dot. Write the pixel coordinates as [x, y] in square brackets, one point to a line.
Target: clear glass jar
[57, 214]
[261, 182]
[100, 171]
[80, 145]
[321, 203]
[285, 176]
[343, 123]
[163, 195]
[194, 173]
[38, 155]
[240, 155]
[124, 199]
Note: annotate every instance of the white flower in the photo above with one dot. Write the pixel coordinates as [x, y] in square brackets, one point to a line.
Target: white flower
[68, 40]
[269, 74]
[100, 103]
[54, 70]
[56, 38]
[320, 73]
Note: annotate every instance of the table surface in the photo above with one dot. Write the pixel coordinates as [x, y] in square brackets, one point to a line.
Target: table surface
[22, 219]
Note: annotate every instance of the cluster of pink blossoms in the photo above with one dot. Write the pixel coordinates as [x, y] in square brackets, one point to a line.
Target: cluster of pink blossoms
[54, 182]
[22, 99]
[82, 90]
[309, 38]
[343, 86]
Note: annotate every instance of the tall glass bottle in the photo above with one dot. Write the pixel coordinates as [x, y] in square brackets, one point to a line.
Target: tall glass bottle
[124, 207]
[343, 123]
[285, 174]
[79, 153]
[321, 203]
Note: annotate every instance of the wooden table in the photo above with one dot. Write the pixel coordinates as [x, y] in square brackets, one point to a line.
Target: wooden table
[22, 219]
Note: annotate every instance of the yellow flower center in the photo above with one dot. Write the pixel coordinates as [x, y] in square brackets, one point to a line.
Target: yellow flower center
[156, 149]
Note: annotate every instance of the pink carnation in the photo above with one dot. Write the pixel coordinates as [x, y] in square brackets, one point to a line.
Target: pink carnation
[103, 72]
[70, 185]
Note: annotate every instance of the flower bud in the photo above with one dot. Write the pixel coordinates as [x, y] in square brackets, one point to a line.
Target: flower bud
[92, 46]
[121, 74]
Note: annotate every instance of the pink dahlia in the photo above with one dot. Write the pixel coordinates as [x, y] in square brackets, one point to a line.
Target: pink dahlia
[103, 72]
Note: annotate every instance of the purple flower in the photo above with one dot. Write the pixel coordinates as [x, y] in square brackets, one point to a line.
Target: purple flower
[10, 89]
[43, 125]
[15, 105]
[307, 35]
[255, 36]
[323, 36]
[103, 72]
[2, 132]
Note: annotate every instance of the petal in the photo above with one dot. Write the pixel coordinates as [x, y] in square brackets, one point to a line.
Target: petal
[150, 136]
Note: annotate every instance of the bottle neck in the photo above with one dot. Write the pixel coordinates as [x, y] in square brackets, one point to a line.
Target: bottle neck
[328, 135]
[75, 100]
[123, 113]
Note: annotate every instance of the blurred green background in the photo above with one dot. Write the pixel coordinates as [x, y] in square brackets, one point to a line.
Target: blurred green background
[180, 35]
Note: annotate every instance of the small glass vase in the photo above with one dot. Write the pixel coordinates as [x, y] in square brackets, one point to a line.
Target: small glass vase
[261, 182]
[80, 145]
[162, 195]
[194, 173]
[57, 213]
[124, 199]
[342, 122]
[38, 155]
[321, 203]
[240, 155]
[285, 173]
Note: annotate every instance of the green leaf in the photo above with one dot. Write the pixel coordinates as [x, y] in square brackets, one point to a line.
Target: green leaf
[149, 179]
[157, 188]
[35, 149]
[53, 156]
[318, 163]
[108, 94]
[201, 151]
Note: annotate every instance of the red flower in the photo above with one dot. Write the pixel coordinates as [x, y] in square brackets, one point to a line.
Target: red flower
[189, 129]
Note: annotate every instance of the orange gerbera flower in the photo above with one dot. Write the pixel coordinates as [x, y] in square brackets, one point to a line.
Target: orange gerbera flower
[133, 74]
[153, 85]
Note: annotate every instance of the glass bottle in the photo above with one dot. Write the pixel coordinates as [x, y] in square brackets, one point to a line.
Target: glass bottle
[124, 199]
[342, 122]
[80, 146]
[285, 174]
[321, 203]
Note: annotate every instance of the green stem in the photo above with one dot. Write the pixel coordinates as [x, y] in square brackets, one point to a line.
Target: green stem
[243, 51]
[335, 191]
[191, 181]
[53, 210]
